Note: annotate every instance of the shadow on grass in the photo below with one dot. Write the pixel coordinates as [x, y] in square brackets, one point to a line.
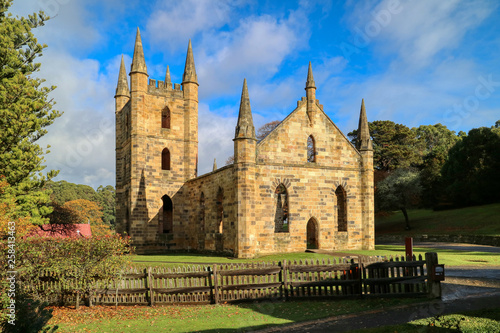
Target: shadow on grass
[300, 311]
[31, 317]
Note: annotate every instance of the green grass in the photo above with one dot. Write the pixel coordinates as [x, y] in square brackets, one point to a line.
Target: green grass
[208, 318]
[481, 321]
[479, 220]
[447, 257]
[176, 259]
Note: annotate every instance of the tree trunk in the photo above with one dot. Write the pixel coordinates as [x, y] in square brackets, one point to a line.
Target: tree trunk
[407, 220]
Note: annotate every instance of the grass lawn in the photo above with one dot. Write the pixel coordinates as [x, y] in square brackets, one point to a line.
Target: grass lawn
[479, 220]
[206, 318]
[174, 259]
[482, 321]
[447, 257]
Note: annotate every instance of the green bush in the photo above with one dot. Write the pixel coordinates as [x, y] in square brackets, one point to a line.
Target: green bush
[72, 264]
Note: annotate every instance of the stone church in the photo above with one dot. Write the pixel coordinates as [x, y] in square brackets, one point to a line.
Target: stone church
[303, 186]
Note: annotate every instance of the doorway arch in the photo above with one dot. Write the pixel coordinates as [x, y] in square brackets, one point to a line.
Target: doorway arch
[167, 214]
[312, 234]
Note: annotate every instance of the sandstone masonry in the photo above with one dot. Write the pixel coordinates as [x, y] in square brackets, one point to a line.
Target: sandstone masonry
[303, 186]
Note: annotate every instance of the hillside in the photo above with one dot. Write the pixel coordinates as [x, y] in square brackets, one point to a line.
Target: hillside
[478, 220]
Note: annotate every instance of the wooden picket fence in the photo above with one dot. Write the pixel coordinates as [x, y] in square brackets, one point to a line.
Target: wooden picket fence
[220, 283]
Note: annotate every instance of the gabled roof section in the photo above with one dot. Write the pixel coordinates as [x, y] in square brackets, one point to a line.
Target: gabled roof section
[300, 104]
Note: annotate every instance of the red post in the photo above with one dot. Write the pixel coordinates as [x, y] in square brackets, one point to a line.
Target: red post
[409, 247]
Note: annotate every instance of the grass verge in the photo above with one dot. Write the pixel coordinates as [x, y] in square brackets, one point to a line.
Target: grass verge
[479, 220]
[207, 318]
[447, 257]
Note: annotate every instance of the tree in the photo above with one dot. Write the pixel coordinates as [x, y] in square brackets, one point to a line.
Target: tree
[105, 196]
[471, 174]
[81, 211]
[393, 145]
[434, 142]
[25, 112]
[262, 132]
[63, 191]
[400, 190]
[9, 225]
[267, 128]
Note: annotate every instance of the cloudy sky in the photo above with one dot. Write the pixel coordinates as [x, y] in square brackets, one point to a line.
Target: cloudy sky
[414, 62]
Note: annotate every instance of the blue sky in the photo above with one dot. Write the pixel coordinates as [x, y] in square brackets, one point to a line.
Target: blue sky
[414, 62]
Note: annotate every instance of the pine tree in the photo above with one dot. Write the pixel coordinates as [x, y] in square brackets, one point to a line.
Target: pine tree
[25, 111]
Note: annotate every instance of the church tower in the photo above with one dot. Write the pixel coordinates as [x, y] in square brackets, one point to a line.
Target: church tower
[156, 150]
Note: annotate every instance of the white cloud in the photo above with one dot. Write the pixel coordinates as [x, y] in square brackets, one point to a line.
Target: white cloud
[216, 135]
[424, 69]
[82, 139]
[174, 22]
[417, 31]
[255, 50]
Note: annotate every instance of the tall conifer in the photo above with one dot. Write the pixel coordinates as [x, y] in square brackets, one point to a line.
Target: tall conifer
[25, 111]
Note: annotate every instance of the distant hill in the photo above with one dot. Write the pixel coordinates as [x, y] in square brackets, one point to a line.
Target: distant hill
[478, 220]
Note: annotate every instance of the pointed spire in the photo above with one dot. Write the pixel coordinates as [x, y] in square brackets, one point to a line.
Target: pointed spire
[310, 79]
[122, 88]
[215, 165]
[363, 142]
[138, 62]
[168, 80]
[189, 69]
[244, 127]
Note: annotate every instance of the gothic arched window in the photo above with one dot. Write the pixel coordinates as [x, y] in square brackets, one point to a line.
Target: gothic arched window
[341, 208]
[165, 159]
[167, 214]
[202, 211]
[165, 118]
[311, 150]
[220, 210]
[281, 222]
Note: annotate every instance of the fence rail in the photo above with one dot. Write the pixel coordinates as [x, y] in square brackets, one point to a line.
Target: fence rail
[220, 283]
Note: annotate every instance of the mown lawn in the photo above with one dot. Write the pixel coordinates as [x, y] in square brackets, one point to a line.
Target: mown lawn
[447, 257]
[206, 318]
[479, 220]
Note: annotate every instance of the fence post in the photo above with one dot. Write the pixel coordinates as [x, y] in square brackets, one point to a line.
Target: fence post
[433, 287]
[216, 285]
[356, 275]
[150, 286]
[284, 278]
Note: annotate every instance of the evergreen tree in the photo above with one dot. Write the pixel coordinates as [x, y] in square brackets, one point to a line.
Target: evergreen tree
[401, 190]
[394, 145]
[471, 173]
[25, 111]
[434, 142]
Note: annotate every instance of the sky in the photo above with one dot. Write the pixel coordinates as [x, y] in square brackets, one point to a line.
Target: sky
[414, 63]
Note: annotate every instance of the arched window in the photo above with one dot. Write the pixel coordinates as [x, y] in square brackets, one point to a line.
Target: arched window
[165, 118]
[167, 214]
[220, 210]
[165, 159]
[341, 208]
[312, 234]
[281, 222]
[202, 211]
[311, 150]
[127, 125]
